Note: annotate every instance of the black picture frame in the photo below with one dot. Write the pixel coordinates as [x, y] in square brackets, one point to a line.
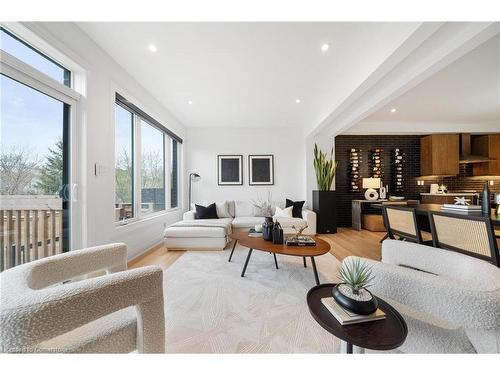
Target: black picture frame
[261, 170]
[229, 170]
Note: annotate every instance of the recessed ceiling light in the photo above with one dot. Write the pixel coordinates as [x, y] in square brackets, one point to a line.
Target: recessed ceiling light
[393, 110]
[297, 101]
[324, 47]
[152, 48]
[190, 102]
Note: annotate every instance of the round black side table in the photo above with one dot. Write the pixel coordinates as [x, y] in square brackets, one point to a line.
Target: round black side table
[385, 334]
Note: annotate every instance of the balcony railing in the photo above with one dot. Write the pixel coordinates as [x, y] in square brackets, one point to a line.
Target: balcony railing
[31, 227]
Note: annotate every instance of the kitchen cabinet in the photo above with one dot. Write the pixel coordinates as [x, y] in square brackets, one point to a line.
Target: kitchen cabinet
[489, 146]
[439, 155]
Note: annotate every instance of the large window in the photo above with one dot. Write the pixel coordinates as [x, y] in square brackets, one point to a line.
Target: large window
[143, 150]
[35, 123]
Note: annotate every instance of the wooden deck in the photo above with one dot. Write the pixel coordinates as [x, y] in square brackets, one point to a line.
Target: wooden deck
[344, 243]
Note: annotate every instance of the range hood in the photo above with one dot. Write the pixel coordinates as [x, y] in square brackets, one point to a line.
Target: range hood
[466, 157]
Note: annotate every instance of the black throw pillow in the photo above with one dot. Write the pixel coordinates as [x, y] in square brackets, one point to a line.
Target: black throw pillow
[297, 207]
[209, 212]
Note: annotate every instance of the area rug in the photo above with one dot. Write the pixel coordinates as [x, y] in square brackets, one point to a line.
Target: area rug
[209, 308]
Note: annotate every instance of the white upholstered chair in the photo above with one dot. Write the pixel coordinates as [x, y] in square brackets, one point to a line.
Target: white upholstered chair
[42, 310]
[450, 301]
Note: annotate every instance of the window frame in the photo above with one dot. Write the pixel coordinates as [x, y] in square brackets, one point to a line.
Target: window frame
[67, 73]
[139, 116]
[25, 74]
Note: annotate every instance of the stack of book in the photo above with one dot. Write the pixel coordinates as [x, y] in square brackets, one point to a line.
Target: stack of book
[345, 317]
[461, 208]
[301, 241]
[253, 233]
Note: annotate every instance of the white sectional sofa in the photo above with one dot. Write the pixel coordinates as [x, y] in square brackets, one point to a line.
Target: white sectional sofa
[213, 234]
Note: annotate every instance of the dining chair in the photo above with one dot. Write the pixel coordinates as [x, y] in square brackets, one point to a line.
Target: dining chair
[401, 223]
[470, 235]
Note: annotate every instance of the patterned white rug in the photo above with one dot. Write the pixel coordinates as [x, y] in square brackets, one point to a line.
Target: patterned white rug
[211, 309]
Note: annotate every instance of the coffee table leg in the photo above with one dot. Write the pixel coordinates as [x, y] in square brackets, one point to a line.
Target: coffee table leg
[232, 251]
[315, 271]
[246, 263]
[305, 262]
[275, 260]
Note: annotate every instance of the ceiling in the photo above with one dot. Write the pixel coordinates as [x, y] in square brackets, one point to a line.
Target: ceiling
[464, 92]
[250, 74]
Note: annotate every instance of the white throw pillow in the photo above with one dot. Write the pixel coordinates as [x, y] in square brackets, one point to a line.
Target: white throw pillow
[283, 212]
[222, 209]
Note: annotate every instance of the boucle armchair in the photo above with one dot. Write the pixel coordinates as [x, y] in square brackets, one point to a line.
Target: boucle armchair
[450, 301]
[42, 310]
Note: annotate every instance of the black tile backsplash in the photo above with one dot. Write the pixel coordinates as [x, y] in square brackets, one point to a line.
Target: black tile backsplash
[410, 145]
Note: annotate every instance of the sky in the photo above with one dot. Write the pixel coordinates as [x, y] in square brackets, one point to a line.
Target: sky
[28, 118]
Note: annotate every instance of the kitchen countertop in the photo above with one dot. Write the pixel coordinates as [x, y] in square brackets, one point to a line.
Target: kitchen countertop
[450, 194]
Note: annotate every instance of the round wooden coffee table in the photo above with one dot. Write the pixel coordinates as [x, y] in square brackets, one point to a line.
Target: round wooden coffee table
[257, 243]
[385, 334]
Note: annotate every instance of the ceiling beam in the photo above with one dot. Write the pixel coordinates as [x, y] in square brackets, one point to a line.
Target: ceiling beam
[432, 47]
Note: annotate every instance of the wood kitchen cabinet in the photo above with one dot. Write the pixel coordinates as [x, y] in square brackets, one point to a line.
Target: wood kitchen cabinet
[439, 155]
[489, 146]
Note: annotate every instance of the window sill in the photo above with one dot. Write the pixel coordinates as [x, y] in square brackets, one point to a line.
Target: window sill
[145, 219]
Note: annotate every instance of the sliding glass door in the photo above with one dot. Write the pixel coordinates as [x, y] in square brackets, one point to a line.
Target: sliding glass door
[36, 105]
[34, 173]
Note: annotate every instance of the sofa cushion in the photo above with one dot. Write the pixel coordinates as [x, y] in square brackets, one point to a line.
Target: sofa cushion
[251, 221]
[208, 212]
[247, 221]
[195, 232]
[297, 207]
[223, 209]
[243, 209]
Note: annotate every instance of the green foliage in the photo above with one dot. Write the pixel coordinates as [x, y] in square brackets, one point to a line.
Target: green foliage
[355, 274]
[50, 177]
[123, 177]
[325, 169]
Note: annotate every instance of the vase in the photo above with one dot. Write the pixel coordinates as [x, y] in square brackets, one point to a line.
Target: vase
[267, 229]
[361, 306]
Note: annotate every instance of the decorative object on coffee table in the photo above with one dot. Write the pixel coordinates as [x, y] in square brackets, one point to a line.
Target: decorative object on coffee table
[264, 206]
[277, 233]
[351, 293]
[386, 334]
[230, 169]
[267, 229]
[260, 169]
[324, 199]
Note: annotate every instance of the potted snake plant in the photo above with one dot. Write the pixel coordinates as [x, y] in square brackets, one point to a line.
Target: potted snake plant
[324, 199]
[352, 293]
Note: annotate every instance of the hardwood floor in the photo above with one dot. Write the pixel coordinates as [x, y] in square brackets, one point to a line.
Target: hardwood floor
[344, 243]
[348, 241]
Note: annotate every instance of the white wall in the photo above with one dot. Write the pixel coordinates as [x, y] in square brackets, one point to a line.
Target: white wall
[95, 119]
[287, 146]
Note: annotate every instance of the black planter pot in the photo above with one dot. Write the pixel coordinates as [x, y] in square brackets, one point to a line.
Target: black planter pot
[357, 307]
[325, 206]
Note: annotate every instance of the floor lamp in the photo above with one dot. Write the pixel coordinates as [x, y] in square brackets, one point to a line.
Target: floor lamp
[193, 177]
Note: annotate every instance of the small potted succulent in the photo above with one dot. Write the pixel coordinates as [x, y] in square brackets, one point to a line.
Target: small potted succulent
[351, 292]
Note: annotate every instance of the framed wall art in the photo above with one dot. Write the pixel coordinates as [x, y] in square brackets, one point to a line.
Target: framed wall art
[230, 169]
[260, 169]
